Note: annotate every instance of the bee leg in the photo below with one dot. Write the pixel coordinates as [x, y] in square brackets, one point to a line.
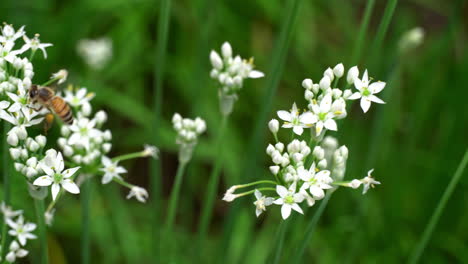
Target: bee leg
[48, 120]
[37, 109]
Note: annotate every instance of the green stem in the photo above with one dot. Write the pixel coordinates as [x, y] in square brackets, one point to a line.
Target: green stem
[255, 183]
[129, 156]
[6, 185]
[362, 32]
[174, 197]
[159, 70]
[280, 235]
[208, 205]
[438, 211]
[384, 23]
[39, 204]
[85, 221]
[311, 229]
[51, 81]
[123, 183]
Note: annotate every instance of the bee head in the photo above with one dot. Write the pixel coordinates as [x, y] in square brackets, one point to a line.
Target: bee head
[33, 91]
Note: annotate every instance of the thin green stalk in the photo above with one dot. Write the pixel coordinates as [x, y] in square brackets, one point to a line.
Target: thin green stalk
[155, 165]
[6, 185]
[279, 241]
[438, 211]
[39, 205]
[383, 26]
[311, 229]
[362, 32]
[128, 156]
[208, 205]
[85, 221]
[175, 197]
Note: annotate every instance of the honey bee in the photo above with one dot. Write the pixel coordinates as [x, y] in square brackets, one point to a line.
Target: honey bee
[46, 97]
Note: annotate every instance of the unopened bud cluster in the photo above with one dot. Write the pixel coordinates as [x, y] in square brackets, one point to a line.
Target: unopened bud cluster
[188, 131]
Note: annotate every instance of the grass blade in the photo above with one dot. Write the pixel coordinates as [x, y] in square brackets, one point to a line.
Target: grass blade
[438, 211]
[362, 32]
[85, 221]
[39, 205]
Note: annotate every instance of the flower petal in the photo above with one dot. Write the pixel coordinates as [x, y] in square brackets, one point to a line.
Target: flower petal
[256, 74]
[69, 172]
[375, 99]
[365, 104]
[70, 186]
[55, 190]
[285, 211]
[298, 130]
[43, 181]
[330, 124]
[107, 178]
[284, 115]
[297, 208]
[307, 118]
[258, 194]
[281, 190]
[355, 96]
[376, 87]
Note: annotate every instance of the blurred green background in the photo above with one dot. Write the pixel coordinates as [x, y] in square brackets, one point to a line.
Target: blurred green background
[414, 142]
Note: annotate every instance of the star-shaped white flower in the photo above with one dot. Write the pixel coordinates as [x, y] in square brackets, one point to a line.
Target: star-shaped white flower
[288, 199]
[9, 34]
[78, 98]
[111, 170]
[26, 117]
[21, 230]
[8, 212]
[324, 115]
[83, 132]
[367, 92]
[315, 181]
[261, 203]
[368, 182]
[150, 151]
[20, 99]
[56, 176]
[35, 44]
[295, 120]
[140, 194]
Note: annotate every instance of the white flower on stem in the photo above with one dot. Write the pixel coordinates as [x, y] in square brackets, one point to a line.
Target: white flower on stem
[21, 230]
[150, 151]
[295, 120]
[288, 199]
[83, 131]
[8, 212]
[368, 182]
[111, 170]
[23, 118]
[61, 76]
[367, 92]
[140, 194]
[324, 115]
[315, 181]
[35, 44]
[80, 98]
[261, 203]
[15, 252]
[56, 176]
[20, 100]
[273, 125]
[9, 35]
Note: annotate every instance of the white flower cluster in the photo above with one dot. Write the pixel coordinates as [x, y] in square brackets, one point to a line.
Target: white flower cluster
[84, 142]
[230, 72]
[95, 52]
[303, 171]
[19, 231]
[188, 131]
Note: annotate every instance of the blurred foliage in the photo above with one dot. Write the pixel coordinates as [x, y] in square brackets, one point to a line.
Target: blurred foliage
[414, 142]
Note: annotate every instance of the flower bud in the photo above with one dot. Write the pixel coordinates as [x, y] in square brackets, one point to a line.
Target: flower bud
[353, 73]
[354, 184]
[315, 88]
[347, 93]
[343, 151]
[19, 166]
[86, 109]
[337, 93]
[77, 159]
[216, 60]
[21, 132]
[322, 164]
[325, 82]
[61, 142]
[106, 147]
[32, 162]
[15, 153]
[297, 157]
[101, 117]
[279, 146]
[30, 172]
[226, 50]
[308, 95]
[12, 139]
[319, 152]
[200, 125]
[67, 151]
[33, 146]
[24, 153]
[307, 84]
[273, 125]
[338, 70]
[274, 169]
[65, 131]
[329, 72]
[41, 140]
[214, 73]
[107, 135]
[270, 149]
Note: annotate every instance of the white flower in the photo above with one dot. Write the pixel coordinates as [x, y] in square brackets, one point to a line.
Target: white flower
[262, 202]
[187, 129]
[21, 230]
[324, 115]
[56, 176]
[20, 100]
[367, 91]
[8, 211]
[288, 199]
[111, 170]
[354, 184]
[79, 98]
[273, 125]
[296, 121]
[325, 82]
[95, 52]
[9, 35]
[150, 151]
[61, 76]
[35, 44]
[368, 181]
[83, 132]
[316, 182]
[216, 60]
[307, 84]
[140, 194]
[49, 216]
[23, 118]
[15, 252]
